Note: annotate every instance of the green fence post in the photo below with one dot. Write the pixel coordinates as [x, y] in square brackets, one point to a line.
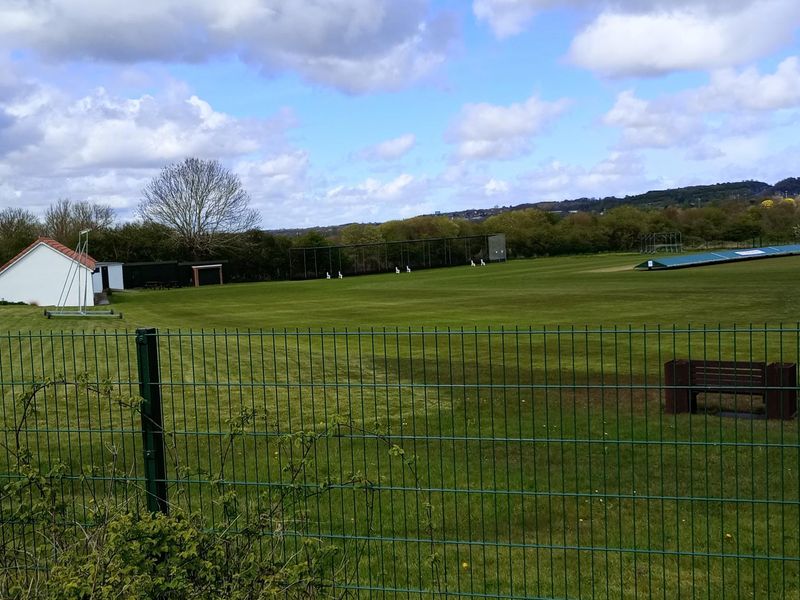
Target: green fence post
[155, 467]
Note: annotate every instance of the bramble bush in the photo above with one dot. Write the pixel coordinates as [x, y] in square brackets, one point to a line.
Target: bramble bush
[102, 548]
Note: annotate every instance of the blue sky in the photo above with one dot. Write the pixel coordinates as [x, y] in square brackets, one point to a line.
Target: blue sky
[335, 111]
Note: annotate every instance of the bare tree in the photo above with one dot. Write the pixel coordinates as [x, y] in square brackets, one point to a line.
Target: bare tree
[65, 219]
[200, 201]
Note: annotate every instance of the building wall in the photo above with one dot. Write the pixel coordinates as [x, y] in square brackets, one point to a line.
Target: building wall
[114, 277]
[39, 276]
[97, 281]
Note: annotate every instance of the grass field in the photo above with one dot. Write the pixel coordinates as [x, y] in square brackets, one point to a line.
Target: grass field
[544, 465]
[579, 290]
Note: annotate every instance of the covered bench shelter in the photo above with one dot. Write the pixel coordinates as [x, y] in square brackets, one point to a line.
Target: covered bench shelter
[197, 269]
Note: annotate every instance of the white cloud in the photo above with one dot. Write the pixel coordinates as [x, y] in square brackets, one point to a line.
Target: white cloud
[282, 175]
[100, 130]
[652, 37]
[369, 200]
[507, 17]
[484, 131]
[650, 124]
[278, 187]
[510, 17]
[619, 173]
[104, 148]
[371, 190]
[733, 105]
[730, 90]
[390, 149]
[620, 44]
[353, 45]
[494, 187]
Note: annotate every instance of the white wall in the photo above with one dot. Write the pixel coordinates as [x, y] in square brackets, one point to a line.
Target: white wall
[114, 277]
[38, 277]
[97, 282]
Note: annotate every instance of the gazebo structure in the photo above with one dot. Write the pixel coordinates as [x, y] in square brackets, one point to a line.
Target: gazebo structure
[198, 269]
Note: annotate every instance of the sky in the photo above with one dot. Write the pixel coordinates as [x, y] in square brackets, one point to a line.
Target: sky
[338, 111]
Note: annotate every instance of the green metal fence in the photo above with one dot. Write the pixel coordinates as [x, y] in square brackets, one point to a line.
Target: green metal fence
[524, 463]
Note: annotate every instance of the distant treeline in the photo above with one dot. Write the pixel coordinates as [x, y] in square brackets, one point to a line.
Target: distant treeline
[259, 256]
[744, 216]
[685, 197]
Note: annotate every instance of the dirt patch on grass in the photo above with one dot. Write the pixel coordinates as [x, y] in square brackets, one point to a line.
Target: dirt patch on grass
[610, 269]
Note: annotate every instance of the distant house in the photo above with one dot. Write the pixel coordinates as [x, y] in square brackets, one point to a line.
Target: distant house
[45, 270]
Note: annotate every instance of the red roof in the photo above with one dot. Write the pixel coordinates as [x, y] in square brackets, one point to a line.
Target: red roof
[86, 261]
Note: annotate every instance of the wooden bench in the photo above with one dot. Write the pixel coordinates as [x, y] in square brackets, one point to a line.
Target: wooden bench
[776, 383]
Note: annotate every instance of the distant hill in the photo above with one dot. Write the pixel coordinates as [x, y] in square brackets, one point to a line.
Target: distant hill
[751, 192]
[696, 195]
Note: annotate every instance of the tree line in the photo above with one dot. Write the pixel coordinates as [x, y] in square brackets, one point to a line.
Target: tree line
[197, 210]
[535, 232]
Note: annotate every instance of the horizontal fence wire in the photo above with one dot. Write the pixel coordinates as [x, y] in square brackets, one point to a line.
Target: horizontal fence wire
[604, 462]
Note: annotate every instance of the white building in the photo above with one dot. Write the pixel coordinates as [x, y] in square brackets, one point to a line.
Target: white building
[107, 276]
[44, 272]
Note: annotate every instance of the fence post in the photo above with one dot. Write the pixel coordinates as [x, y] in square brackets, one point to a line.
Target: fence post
[677, 377]
[781, 397]
[155, 467]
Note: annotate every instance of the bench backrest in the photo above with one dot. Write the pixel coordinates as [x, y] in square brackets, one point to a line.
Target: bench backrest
[728, 374]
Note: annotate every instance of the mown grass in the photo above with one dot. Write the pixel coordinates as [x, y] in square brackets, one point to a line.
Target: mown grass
[533, 463]
[580, 290]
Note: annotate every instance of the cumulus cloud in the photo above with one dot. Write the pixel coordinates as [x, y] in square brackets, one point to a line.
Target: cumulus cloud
[652, 37]
[493, 187]
[278, 185]
[372, 199]
[733, 104]
[282, 175]
[490, 131]
[390, 149]
[372, 189]
[619, 173]
[507, 17]
[103, 147]
[353, 45]
[510, 17]
[100, 131]
[620, 44]
[650, 124]
[748, 89]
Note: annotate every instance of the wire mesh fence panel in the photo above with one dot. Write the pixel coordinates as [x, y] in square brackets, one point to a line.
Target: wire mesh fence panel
[385, 256]
[525, 463]
[70, 440]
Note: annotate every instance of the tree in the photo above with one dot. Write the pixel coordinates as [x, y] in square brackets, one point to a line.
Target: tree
[416, 228]
[360, 233]
[199, 201]
[580, 232]
[529, 232]
[64, 220]
[18, 228]
[135, 242]
[624, 227]
[788, 187]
